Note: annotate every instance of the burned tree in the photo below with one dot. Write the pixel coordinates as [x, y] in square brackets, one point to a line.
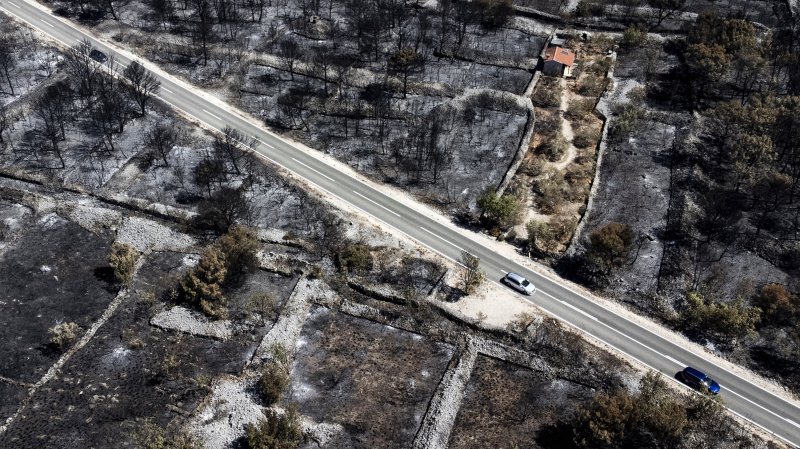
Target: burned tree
[7, 59]
[52, 110]
[142, 84]
[160, 139]
[233, 146]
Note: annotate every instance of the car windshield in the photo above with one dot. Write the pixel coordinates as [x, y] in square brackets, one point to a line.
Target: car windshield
[525, 283]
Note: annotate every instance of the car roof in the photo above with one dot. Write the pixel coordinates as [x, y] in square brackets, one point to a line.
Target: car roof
[515, 277]
[694, 372]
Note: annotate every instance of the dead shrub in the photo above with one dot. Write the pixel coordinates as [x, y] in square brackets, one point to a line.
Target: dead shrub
[592, 85]
[586, 136]
[123, 260]
[63, 335]
[275, 431]
[553, 148]
[273, 383]
[580, 108]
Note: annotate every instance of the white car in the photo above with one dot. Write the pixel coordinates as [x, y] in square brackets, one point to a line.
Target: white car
[519, 283]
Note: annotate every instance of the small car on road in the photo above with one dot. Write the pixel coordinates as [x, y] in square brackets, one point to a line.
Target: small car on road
[519, 283]
[98, 56]
[699, 381]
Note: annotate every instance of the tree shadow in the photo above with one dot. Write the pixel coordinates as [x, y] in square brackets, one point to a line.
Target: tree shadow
[559, 435]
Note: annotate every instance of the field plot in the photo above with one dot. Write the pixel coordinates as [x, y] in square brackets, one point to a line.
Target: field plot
[44, 286]
[374, 380]
[505, 405]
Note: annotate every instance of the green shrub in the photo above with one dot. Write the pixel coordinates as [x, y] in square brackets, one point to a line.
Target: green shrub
[502, 210]
[202, 285]
[719, 320]
[634, 36]
[609, 245]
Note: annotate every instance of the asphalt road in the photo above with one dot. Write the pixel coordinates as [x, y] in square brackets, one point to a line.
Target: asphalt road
[774, 414]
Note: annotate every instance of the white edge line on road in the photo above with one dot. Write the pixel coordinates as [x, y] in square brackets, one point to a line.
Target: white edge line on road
[167, 90]
[215, 116]
[315, 171]
[444, 240]
[73, 27]
[590, 316]
[378, 204]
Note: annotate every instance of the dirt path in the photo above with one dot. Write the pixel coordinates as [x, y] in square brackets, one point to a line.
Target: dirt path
[566, 128]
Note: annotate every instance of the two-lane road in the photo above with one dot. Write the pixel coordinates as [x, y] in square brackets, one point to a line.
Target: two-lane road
[771, 412]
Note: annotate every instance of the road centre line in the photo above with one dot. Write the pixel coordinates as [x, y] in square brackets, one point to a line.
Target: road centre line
[167, 90]
[215, 116]
[580, 295]
[444, 240]
[47, 23]
[15, 5]
[315, 171]
[378, 204]
[792, 422]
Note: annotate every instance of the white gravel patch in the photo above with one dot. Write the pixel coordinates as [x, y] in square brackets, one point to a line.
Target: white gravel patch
[93, 218]
[434, 433]
[228, 409]
[148, 235]
[286, 330]
[184, 320]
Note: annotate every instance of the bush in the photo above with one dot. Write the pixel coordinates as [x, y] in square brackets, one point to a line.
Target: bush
[552, 192]
[123, 260]
[592, 85]
[148, 435]
[548, 124]
[719, 320]
[586, 137]
[357, 258]
[547, 97]
[609, 245]
[501, 210]
[622, 419]
[541, 236]
[553, 148]
[778, 305]
[263, 304]
[471, 274]
[634, 36]
[275, 431]
[580, 108]
[64, 334]
[202, 285]
[238, 247]
[273, 383]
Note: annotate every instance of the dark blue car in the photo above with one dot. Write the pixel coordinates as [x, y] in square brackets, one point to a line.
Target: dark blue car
[699, 381]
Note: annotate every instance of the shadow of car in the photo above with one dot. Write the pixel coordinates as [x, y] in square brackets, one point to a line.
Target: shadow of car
[98, 56]
[698, 380]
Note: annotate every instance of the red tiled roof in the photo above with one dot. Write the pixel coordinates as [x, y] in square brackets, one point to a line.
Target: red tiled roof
[560, 55]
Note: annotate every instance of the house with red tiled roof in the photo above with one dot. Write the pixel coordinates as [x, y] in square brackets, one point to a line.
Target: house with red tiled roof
[558, 61]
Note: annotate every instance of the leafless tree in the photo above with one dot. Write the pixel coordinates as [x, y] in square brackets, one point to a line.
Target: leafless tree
[51, 108]
[7, 59]
[233, 146]
[160, 139]
[142, 83]
[290, 52]
[83, 71]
